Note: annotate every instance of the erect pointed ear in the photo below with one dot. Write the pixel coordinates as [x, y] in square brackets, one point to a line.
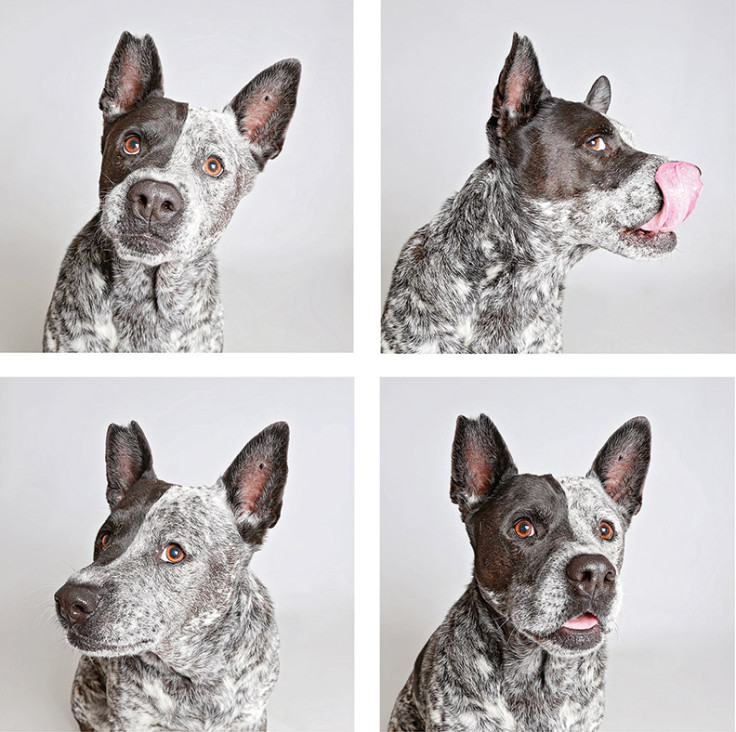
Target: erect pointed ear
[255, 482]
[127, 460]
[599, 96]
[134, 75]
[622, 464]
[519, 91]
[263, 108]
[480, 459]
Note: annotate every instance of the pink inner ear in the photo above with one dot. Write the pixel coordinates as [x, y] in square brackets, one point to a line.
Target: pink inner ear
[258, 114]
[131, 84]
[253, 481]
[479, 471]
[516, 84]
[616, 474]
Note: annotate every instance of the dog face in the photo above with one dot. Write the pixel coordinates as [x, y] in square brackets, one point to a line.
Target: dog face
[548, 552]
[172, 175]
[579, 167]
[169, 558]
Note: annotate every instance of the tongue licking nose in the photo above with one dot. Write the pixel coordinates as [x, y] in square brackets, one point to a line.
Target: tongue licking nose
[680, 185]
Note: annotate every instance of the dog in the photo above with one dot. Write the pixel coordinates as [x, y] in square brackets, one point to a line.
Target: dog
[142, 275]
[523, 650]
[177, 632]
[487, 274]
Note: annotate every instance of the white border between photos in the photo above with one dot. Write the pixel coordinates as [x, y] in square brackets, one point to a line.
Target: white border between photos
[365, 365]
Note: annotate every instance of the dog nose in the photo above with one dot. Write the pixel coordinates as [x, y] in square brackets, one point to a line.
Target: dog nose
[155, 201]
[75, 603]
[591, 575]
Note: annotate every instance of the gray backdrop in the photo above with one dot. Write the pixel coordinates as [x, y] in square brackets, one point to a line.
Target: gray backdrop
[286, 258]
[671, 661]
[52, 502]
[671, 67]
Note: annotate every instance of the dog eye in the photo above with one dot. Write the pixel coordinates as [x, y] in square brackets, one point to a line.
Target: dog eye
[597, 144]
[213, 166]
[605, 530]
[172, 554]
[104, 539]
[524, 529]
[132, 145]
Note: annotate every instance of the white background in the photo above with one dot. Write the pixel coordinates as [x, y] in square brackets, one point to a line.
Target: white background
[52, 502]
[671, 67]
[286, 257]
[671, 659]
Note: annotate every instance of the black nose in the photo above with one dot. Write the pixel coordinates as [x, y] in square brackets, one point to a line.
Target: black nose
[591, 575]
[75, 603]
[155, 201]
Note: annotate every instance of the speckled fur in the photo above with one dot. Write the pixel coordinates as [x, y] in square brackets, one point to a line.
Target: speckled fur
[126, 288]
[495, 663]
[185, 646]
[487, 274]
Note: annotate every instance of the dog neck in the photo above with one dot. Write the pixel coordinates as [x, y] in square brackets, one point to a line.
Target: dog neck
[531, 676]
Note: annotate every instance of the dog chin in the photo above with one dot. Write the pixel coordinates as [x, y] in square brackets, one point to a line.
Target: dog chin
[93, 647]
[143, 249]
[640, 244]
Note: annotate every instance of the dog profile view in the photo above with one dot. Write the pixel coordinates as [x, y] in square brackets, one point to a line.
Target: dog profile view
[523, 650]
[142, 275]
[487, 274]
[177, 632]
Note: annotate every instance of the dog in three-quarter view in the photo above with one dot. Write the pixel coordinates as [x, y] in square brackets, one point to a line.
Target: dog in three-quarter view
[523, 650]
[177, 632]
[487, 274]
[142, 274]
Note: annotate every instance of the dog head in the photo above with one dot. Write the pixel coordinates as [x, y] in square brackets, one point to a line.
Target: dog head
[578, 166]
[172, 175]
[548, 551]
[169, 559]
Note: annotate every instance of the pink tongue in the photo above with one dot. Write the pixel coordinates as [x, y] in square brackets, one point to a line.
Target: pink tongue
[680, 185]
[582, 622]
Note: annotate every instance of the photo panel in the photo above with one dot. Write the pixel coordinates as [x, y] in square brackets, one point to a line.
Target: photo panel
[55, 462]
[670, 648]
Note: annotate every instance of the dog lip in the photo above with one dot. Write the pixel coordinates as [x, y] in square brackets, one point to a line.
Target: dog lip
[664, 241]
[88, 645]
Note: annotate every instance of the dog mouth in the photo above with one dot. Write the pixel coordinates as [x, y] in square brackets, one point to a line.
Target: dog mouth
[659, 242]
[579, 633]
[98, 648]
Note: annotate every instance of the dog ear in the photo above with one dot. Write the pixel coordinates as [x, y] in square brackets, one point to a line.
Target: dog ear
[264, 107]
[127, 460]
[599, 96]
[519, 91]
[480, 459]
[622, 464]
[255, 482]
[134, 74]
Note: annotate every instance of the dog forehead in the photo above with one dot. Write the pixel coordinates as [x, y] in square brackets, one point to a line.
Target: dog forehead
[199, 506]
[207, 131]
[588, 503]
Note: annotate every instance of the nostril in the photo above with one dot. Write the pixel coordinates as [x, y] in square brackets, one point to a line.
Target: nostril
[142, 200]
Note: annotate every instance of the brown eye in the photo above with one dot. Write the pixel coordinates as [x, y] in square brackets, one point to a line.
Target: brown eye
[597, 144]
[524, 529]
[605, 530]
[213, 167]
[105, 539]
[132, 145]
[173, 553]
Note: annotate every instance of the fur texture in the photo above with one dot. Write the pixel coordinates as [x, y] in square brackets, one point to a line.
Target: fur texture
[511, 655]
[142, 275]
[487, 274]
[177, 632]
